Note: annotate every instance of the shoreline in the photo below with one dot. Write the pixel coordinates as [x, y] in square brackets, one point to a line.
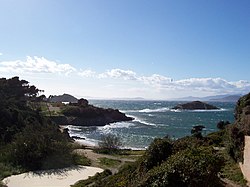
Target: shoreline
[92, 146]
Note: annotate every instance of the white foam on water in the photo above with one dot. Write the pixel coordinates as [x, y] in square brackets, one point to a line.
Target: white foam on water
[214, 110]
[117, 125]
[148, 110]
[88, 142]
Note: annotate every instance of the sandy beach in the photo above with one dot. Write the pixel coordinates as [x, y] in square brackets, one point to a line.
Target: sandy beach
[52, 178]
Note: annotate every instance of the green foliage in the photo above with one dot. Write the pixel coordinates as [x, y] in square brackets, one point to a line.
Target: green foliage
[232, 171]
[242, 102]
[125, 177]
[95, 180]
[81, 160]
[109, 162]
[191, 167]
[239, 129]
[109, 143]
[216, 138]
[235, 142]
[222, 124]
[196, 131]
[158, 151]
[85, 112]
[7, 169]
[41, 147]
[14, 111]
[184, 162]
[187, 142]
[28, 140]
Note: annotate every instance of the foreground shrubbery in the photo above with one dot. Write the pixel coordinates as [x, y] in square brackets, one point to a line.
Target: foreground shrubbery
[190, 167]
[171, 163]
[28, 140]
[186, 162]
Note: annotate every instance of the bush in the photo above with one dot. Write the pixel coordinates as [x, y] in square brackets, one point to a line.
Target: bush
[222, 124]
[191, 167]
[41, 147]
[95, 180]
[158, 151]
[109, 144]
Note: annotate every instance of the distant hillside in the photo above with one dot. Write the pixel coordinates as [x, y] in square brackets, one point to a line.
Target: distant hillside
[216, 98]
[230, 98]
[63, 98]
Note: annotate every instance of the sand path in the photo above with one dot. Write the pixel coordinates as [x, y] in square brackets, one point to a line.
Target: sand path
[245, 166]
[52, 178]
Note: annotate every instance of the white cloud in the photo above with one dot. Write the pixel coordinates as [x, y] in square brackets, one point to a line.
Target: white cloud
[35, 65]
[163, 83]
[86, 73]
[119, 73]
[148, 85]
[156, 80]
[1, 54]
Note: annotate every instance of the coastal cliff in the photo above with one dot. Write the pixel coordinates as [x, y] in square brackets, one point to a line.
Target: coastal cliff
[84, 114]
[195, 105]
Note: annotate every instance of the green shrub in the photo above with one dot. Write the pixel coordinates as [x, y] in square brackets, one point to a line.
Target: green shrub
[158, 151]
[109, 162]
[191, 167]
[81, 160]
[41, 147]
[109, 143]
[95, 180]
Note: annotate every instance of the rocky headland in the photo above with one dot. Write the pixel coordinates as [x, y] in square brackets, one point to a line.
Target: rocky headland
[195, 105]
[84, 114]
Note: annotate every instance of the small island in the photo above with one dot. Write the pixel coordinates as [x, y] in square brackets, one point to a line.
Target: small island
[195, 105]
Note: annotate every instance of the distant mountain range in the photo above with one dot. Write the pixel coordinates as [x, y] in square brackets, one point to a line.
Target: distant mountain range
[216, 98]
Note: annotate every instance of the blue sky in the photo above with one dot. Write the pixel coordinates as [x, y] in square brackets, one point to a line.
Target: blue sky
[117, 48]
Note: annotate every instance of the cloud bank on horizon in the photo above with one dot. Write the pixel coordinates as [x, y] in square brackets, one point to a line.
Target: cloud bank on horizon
[155, 83]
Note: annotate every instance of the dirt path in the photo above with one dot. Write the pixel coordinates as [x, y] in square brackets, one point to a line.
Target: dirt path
[245, 166]
[95, 162]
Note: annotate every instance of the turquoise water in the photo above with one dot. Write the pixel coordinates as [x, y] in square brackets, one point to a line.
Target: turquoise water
[153, 119]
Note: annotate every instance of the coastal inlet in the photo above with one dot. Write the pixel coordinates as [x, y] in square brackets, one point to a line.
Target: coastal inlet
[152, 119]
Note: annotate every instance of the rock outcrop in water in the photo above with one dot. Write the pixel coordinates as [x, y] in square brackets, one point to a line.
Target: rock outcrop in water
[195, 105]
[83, 114]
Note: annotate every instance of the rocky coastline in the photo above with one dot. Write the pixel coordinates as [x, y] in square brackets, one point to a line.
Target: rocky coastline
[83, 114]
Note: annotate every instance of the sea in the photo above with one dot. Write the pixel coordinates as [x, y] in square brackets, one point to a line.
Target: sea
[153, 119]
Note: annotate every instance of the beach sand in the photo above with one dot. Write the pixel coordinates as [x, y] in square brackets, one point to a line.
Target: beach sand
[52, 178]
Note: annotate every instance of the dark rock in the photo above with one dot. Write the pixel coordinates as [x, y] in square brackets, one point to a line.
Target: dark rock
[195, 105]
[77, 137]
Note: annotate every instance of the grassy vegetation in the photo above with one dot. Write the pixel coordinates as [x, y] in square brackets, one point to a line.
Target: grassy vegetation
[7, 169]
[108, 162]
[81, 160]
[232, 171]
[93, 181]
[130, 154]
